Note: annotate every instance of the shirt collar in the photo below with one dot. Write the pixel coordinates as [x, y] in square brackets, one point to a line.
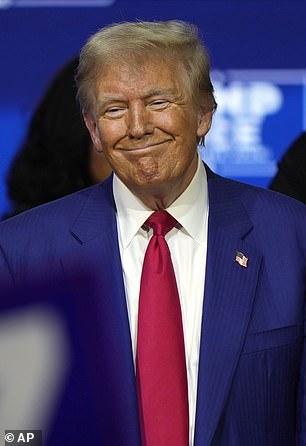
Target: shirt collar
[190, 209]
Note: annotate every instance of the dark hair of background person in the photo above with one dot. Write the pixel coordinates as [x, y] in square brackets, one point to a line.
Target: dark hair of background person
[56, 157]
[290, 178]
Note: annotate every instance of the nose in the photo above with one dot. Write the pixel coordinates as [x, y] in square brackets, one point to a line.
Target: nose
[139, 121]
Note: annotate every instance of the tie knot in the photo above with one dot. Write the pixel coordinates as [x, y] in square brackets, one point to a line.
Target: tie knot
[161, 222]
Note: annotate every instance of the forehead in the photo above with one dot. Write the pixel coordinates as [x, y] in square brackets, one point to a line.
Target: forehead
[137, 77]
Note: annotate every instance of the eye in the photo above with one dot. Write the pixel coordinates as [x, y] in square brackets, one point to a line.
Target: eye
[114, 112]
[159, 104]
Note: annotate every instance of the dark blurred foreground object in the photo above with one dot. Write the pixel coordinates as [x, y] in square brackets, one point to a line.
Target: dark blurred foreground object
[291, 176]
[57, 156]
[54, 376]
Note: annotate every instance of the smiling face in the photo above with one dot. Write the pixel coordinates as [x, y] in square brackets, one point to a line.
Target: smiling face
[147, 126]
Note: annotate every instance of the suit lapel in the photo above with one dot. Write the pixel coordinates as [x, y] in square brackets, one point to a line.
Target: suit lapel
[104, 316]
[228, 300]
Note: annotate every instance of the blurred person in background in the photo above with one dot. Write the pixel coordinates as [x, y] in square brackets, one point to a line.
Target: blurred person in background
[290, 178]
[57, 156]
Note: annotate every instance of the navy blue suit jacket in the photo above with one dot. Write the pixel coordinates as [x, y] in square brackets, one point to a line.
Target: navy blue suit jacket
[251, 386]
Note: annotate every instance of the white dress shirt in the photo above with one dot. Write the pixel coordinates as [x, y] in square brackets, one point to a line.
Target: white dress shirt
[188, 247]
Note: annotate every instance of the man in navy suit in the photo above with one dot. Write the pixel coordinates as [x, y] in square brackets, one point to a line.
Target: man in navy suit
[239, 252]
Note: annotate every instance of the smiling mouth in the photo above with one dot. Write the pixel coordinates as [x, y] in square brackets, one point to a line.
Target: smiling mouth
[142, 148]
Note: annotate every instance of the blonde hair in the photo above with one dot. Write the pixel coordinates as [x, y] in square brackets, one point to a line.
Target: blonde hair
[175, 40]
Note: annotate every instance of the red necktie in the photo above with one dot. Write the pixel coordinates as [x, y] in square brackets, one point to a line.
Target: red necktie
[160, 362]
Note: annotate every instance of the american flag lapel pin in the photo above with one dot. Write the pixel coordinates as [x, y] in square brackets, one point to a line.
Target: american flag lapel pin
[241, 259]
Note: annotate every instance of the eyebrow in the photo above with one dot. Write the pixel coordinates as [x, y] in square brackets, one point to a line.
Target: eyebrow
[104, 101]
[159, 92]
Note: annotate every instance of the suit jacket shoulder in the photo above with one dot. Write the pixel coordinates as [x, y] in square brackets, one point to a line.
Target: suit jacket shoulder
[45, 234]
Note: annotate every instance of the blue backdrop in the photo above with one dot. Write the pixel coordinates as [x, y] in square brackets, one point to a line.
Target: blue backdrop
[258, 59]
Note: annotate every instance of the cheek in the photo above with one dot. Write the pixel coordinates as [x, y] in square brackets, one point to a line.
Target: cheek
[172, 124]
[181, 125]
[110, 133]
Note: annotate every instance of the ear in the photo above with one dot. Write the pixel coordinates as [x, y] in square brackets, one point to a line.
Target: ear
[204, 122]
[93, 128]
